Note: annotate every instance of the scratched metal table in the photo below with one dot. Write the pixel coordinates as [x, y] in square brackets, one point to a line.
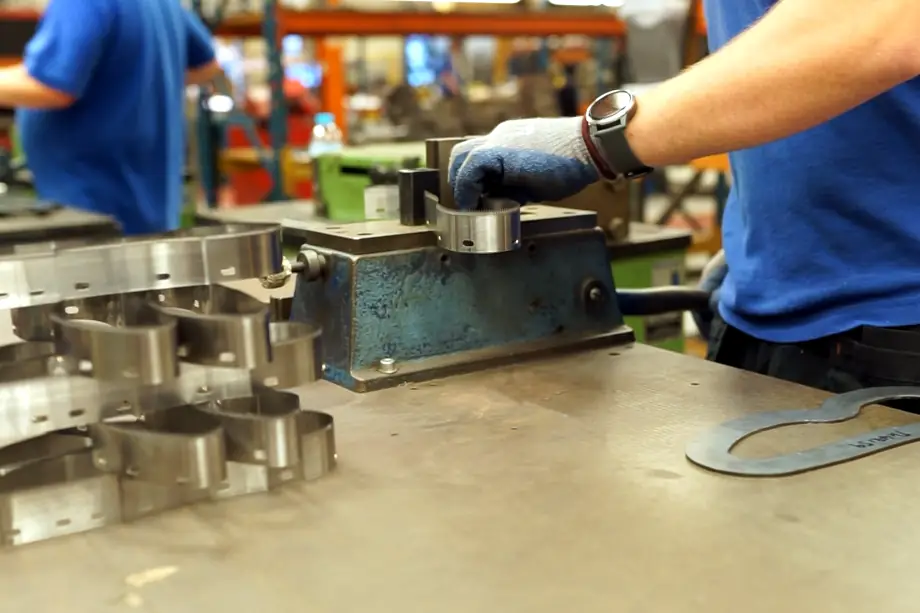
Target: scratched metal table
[555, 486]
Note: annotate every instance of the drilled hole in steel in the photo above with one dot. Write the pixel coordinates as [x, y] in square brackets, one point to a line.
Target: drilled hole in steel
[531, 247]
[333, 228]
[560, 329]
[694, 384]
[614, 353]
[525, 213]
[62, 523]
[77, 412]
[364, 234]
[467, 243]
[445, 259]
[569, 213]
[36, 292]
[81, 286]
[39, 419]
[4, 295]
[163, 276]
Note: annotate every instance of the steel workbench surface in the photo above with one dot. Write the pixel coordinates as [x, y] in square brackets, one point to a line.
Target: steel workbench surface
[554, 486]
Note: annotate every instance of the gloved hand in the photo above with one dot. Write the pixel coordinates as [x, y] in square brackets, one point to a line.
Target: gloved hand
[711, 281]
[526, 160]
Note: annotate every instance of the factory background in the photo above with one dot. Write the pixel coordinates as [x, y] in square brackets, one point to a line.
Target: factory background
[389, 74]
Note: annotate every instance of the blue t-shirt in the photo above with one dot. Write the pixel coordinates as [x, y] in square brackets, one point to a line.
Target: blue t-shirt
[120, 148]
[822, 232]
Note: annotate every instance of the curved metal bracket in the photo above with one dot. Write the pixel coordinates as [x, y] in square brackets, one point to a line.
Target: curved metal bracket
[712, 449]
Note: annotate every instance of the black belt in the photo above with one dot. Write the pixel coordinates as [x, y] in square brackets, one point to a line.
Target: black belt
[891, 354]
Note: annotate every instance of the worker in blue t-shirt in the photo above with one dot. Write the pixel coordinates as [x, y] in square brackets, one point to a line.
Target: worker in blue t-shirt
[819, 102]
[101, 106]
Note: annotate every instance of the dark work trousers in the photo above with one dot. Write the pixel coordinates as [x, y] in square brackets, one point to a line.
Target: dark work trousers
[863, 357]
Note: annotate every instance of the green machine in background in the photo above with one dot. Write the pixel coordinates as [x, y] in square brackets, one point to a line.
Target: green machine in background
[343, 178]
[653, 256]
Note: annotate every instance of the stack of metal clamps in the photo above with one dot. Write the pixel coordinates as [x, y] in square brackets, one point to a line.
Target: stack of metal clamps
[143, 385]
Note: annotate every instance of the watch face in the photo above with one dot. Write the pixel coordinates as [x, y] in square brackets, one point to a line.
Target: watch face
[609, 104]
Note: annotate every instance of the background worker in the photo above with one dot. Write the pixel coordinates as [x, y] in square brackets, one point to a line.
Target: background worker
[821, 233]
[100, 100]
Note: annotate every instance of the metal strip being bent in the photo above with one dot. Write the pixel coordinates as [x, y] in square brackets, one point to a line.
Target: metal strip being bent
[496, 228]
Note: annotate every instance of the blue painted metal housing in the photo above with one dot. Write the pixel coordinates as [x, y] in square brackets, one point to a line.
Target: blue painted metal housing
[428, 306]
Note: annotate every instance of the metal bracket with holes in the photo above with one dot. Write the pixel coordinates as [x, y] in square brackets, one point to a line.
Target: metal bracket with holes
[158, 393]
[49, 273]
[713, 448]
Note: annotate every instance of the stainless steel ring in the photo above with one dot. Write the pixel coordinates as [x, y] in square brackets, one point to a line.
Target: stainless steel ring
[495, 229]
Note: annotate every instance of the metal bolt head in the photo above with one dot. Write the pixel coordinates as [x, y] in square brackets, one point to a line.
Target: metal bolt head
[387, 366]
[595, 294]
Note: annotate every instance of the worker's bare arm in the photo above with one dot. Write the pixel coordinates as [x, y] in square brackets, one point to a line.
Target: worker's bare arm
[804, 63]
[202, 75]
[19, 89]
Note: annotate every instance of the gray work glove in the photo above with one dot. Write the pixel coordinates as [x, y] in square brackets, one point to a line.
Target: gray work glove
[711, 281]
[526, 160]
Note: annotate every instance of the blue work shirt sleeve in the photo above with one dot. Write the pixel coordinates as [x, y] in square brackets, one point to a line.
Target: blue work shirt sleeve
[67, 45]
[200, 42]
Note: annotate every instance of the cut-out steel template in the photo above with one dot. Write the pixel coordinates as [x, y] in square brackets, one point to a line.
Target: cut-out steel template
[142, 386]
[712, 449]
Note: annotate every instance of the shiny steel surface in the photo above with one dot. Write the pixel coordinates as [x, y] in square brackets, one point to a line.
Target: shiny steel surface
[51, 273]
[495, 229]
[713, 448]
[217, 326]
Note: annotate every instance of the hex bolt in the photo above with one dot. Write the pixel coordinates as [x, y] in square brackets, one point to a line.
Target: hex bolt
[387, 366]
[595, 294]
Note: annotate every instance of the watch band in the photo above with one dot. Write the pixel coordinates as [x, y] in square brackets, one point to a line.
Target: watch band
[612, 145]
[596, 156]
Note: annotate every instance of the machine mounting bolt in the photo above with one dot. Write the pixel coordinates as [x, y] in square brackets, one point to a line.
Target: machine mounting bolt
[387, 366]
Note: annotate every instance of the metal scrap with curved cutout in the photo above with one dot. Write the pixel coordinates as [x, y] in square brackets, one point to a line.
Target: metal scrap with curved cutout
[712, 449]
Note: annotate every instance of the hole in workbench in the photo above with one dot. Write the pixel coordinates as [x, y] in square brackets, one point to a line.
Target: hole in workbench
[36, 292]
[694, 383]
[81, 286]
[614, 353]
[61, 523]
[77, 413]
[445, 259]
[531, 247]
[364, 234]
[525, 212]
[560, 329]
[4, 295]
[467, 243]
[163, 276]
[333, 227]
[568, 212]
[39, 419]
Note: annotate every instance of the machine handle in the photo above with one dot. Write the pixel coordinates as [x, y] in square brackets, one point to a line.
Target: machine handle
[660, 300]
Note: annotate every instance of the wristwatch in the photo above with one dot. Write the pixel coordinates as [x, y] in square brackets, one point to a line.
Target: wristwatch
[604, 131]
